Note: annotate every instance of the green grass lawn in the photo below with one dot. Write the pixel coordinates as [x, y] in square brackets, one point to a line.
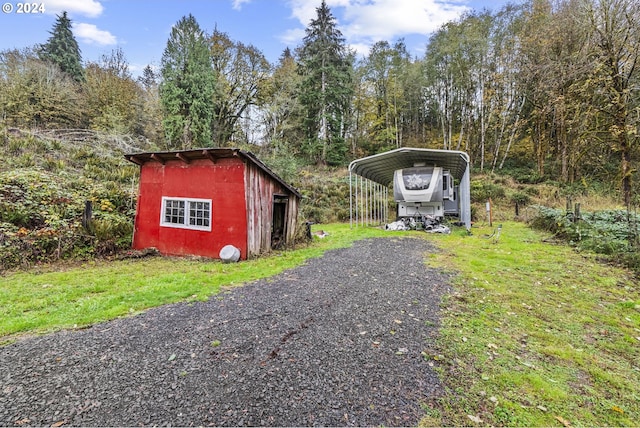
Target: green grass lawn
[533, 334]
[46, 300]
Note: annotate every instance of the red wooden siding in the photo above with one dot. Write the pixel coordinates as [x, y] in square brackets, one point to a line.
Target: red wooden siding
[222, 182]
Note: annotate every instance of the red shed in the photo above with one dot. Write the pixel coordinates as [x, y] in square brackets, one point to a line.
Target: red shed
[194, 202]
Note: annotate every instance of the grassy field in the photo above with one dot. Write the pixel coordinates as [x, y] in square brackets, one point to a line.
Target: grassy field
[533, 334]
[56, 297]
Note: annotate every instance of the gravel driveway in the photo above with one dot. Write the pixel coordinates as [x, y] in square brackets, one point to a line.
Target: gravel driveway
[334, 342]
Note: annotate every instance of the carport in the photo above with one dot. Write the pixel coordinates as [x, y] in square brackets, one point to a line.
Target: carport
[371, 177]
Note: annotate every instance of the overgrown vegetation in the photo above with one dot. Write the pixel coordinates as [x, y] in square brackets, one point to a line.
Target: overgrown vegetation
[613, 233]
[326, 194]
[562, 107]
[46, 181]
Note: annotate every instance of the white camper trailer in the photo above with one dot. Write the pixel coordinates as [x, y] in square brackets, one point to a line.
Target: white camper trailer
[424, 191]
[427, 183]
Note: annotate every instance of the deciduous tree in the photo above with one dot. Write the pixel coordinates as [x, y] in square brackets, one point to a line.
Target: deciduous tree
[281, 110]
[241, 72]
[614, 28]
[37, 93]
[114, 99]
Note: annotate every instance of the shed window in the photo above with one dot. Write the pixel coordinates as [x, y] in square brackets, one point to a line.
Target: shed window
[186, 213]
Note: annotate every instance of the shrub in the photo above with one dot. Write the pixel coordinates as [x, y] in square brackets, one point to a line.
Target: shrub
[610, 232]
[41, 212]
[482, 190]
[520, 198]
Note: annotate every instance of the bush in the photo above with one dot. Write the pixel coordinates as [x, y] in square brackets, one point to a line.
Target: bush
[611, 232]
[40, 217]
[520, 198]
[481, 191]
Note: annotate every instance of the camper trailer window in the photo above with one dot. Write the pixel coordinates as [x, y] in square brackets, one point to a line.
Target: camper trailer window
[417, 178]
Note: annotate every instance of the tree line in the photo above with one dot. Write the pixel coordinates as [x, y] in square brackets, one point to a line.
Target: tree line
[546, 86]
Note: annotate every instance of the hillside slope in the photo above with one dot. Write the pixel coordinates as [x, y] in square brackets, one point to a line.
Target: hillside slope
[48, 178]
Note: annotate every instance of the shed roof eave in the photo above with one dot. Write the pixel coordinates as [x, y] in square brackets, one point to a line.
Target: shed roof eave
[211, 154]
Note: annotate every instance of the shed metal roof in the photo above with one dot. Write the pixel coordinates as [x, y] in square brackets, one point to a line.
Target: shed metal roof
[212, 154]
[380, 167]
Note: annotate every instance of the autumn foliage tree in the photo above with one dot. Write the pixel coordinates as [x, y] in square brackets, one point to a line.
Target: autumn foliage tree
[114, 99]
[37, 93]
[241, 72]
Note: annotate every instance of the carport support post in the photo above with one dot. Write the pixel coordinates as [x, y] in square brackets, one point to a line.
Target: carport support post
[350, 199]
[358, 197]
[362, 201]
[367, 201]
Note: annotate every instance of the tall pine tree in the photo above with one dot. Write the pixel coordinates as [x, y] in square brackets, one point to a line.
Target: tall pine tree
[326, 88]
[187, 87]
[62, 49]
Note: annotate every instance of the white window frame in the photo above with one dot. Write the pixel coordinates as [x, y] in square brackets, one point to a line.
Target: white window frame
[187, 208]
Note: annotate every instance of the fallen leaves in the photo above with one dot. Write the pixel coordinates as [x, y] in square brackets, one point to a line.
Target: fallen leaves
[563, 421]
[475, 419]
[617, 410]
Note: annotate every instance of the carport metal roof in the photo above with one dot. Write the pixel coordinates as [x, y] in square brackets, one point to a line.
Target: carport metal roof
[379, 168]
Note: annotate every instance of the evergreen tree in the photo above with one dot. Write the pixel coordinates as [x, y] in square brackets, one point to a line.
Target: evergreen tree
[326, 88]
[187, 87]
[62, 49]
[148, 78]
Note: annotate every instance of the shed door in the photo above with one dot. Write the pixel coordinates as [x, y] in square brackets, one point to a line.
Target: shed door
[279, 223]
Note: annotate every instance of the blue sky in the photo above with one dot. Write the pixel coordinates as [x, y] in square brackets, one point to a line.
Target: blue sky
[141, 27]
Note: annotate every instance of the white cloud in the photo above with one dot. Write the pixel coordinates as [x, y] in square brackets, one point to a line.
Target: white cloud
[91, 34]
[292, 37]
[361, 49]
[89, 8]
[385, 19]
[237, 4]
[304, 10]
[364, 22]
